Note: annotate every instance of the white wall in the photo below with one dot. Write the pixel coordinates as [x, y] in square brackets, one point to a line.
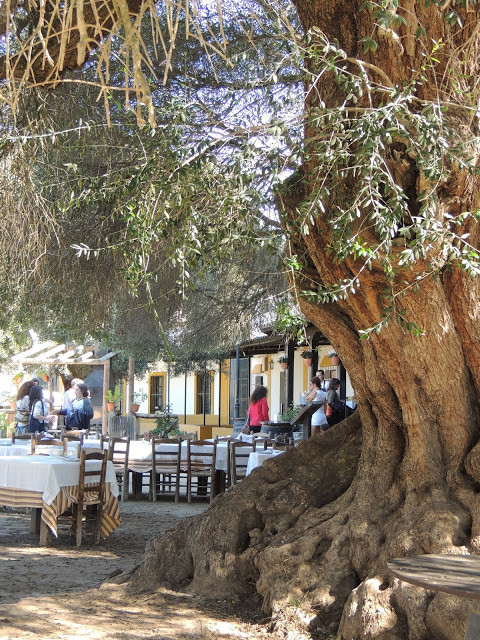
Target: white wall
[177, 394]
[175, 389]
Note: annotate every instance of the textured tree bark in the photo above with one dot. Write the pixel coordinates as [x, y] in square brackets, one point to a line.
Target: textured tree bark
[323, 554]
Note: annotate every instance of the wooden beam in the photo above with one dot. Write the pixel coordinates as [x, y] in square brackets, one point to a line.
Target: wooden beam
[59, 361]
[106, 383]
[84, 357]
[130, 385]
[50, 382]
[51, 352]
[65, 356]
[108, 355]
[32, 350]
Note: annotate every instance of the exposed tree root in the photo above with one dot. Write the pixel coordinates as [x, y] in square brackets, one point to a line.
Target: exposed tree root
[299, 533]
[278, 532]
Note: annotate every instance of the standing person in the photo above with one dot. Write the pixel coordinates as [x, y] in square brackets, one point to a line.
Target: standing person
[319, 419]
[258, 408]
[39, 417]
[333, 399]
[80, 412]
[69, 395]
[321, 374]
[22, 414]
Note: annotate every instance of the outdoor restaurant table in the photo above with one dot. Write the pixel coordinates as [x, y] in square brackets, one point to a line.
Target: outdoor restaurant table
[9, 449]
[452, 573]
[47, 483]
[24, 448]
[257, 458]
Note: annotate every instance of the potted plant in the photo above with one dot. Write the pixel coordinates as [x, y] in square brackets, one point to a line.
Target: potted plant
[167, 424]
[138, 398]
[307, 356]
[43, 373]
[17, 378]
[283, 360]
[333, 355]
[112, 397]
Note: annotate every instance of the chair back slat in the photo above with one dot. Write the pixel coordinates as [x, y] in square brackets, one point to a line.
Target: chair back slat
[47, 442]
[95, 489]
[238, 460]
[21, 436]
[201, 458]
[76, 436]
[118, 453]
[166, 467]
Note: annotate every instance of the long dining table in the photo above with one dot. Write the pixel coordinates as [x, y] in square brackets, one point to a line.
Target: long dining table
[48, 484]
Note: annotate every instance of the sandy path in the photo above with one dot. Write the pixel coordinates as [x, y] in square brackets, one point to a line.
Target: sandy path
[54, 593]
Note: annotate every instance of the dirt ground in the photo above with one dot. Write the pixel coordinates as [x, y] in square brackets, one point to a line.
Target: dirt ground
[55, 593]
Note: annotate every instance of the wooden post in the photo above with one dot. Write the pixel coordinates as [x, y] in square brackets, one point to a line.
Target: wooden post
[130, 385]
[50, 383]
[106, 384]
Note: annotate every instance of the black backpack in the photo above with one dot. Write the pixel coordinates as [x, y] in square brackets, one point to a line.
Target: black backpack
[338, 412]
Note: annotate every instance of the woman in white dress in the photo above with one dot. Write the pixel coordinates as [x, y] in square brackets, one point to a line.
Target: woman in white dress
[319, 419]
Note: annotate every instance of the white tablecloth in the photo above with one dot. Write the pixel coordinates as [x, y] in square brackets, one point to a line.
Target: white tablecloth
[14, 449]
[257, 458]
[47, 474]
[25, 449]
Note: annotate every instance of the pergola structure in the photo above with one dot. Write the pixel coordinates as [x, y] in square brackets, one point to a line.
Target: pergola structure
[50, 354]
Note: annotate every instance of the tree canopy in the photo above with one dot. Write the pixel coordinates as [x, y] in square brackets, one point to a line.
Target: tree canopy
[166, 221]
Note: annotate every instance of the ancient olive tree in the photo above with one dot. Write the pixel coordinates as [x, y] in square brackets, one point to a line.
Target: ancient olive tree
[382, 225]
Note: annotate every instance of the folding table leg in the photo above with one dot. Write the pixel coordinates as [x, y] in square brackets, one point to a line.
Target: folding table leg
[35, 519]
[44, 531]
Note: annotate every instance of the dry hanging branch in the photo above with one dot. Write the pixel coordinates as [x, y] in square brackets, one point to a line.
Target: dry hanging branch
[44, 40]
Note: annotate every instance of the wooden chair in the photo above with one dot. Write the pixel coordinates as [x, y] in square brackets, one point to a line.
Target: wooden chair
[95, 429]
[21, 436]
[282, 443]
[68, 446]
[229, 440]
[118, 451]
[239, 460]
[47, 442]
[260, 444]
[104, 441]
[200, 468]
[91, 493]
[75, 436]
[166, 471]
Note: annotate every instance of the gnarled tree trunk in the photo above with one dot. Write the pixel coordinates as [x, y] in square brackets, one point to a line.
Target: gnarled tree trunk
[321, 547]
